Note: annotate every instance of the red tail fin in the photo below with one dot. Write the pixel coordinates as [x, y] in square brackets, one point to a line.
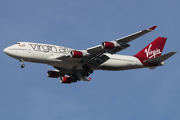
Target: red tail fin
[154, 49]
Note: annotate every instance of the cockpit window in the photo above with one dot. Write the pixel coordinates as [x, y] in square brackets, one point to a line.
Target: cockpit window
[17, 43]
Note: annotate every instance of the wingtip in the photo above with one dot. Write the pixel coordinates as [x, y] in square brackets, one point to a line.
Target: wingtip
[175, 52]
[152, 28]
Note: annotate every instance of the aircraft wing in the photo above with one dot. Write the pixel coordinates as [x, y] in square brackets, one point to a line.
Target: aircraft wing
[94, 55]
[122, 42]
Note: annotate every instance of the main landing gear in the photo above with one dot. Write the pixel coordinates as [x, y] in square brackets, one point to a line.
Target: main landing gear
[87, 70]
[22, 63]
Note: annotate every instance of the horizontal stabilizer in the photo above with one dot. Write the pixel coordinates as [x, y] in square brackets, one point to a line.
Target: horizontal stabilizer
[160, 58]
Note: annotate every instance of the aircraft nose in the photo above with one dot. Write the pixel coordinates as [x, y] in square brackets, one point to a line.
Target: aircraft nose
[5, 50]
[8, 51]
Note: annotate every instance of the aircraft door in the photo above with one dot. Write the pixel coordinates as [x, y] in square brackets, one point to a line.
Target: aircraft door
[29, 50]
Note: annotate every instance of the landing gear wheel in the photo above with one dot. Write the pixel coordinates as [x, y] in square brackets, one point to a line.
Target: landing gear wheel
[22, 66]
[87, 70]
[90, 71]
[75, 77]
[85, 74]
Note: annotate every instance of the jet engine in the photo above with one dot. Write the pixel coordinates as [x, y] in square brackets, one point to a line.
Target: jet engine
[54, 74]
[76, 54]
[66, 79]
[109, 45]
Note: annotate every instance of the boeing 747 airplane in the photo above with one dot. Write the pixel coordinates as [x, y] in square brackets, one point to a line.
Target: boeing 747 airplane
[74, 65]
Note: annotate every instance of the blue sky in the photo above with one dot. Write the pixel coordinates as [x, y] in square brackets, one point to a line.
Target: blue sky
[134, 94]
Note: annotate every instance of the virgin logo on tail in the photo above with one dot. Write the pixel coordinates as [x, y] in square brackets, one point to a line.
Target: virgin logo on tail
[152, 53]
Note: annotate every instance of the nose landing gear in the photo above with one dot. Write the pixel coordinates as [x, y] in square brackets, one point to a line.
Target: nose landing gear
[22, 63]
[22, 66]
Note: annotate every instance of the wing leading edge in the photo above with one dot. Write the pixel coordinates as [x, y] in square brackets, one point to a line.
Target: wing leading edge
[122, 42]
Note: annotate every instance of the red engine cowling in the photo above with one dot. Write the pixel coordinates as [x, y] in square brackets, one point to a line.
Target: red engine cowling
[76, 54]
[53, 73]
[65, 80]
[109, 45]
[68, 80]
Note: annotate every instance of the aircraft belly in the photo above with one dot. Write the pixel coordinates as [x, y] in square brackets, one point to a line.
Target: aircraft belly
[119, 62]
[66, 65]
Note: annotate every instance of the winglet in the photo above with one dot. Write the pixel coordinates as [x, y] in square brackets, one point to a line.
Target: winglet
[152, 28]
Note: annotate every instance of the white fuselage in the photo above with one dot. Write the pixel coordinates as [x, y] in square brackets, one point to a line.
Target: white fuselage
[49, 54]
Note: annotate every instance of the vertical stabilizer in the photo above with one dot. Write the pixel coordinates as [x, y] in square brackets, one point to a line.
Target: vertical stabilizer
[154, 49]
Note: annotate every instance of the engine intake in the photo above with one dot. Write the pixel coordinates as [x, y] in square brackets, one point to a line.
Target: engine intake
[54, 74]
[110, 45]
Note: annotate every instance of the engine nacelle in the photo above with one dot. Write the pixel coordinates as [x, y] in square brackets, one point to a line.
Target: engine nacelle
[67, 80]
[109, 45]
[54, 74]
[76, 54]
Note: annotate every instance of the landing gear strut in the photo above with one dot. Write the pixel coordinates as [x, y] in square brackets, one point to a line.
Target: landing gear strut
[74, 76]
[22, 63]
[87, 70]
